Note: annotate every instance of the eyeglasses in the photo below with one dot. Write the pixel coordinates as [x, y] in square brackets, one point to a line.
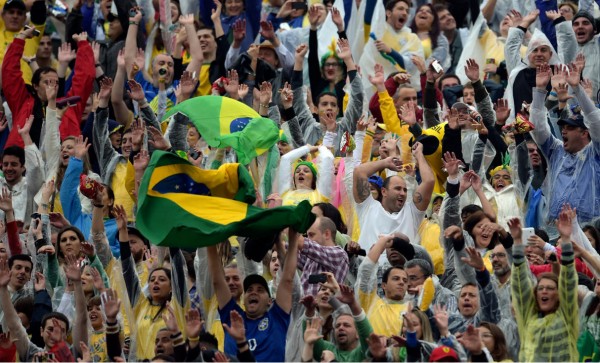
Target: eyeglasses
[499, 255]
[547, 288]
[331, 65]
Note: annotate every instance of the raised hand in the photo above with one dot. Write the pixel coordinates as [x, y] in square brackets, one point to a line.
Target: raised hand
[502, 111]
[466, 181]
[243, 90]
[52, 91]
[6, 203]
[542, 76]
[402, 78]
[476, 182]
[393, 163]
[417, 149]
[474, 260]
[237, 330]
[346, 295]
[310, 304]
[81, 147]
[39, 282]
[186, 19]
[580, 61]
[57, 220]
[344, 51]
[472, 70]
[87, 249]
[72, 268]
[451, 164]
[121, 216]
[86, 356]
[267, 31]
[141, 160]
[5, 341]
[287, 96]
[138, 130]
[514, 226]
[156, 139]
[420, 64]
[24, 131]
[239, 32]
[312, 332]
[57, 334]
[574, 75]
[440, 315]
[188, 84]
[216, 11]
[137, 14]
[301, 51]
[382, 47]
[96, 50]
[81, 37]
[559, 74]
[112, 304]
[97, 279]
[106, 85]
[231, 86]
[471, 340]
[453, 117]
[377, 79]
[193, 323]
[336, 16]
[407, 113]
[377, 346]
[432, 75]
[313, 16]
[135, 91]
[4, 273]
[362, 123]
[266, 93]
[553, 14]
[65, 53]
[564, 223]
[529, 18]
[588, 87]
[169, 319]
[151, 258]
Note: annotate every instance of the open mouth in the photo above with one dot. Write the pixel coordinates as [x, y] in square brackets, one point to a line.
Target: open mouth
[159, 351]
[401, 21]
[253, 301]
[156, 288]
[467, 306]
[93, 317]
[544, 299]
[500, 186]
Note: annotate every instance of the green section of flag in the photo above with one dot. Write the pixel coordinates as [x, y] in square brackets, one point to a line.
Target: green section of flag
[225, 122]
[168, 215]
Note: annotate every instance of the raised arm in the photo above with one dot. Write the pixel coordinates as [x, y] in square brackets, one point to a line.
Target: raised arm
[117, 95]
[590, 111]
[218, 277]
[285, 172]
[286, 283]
[422, 195]
[11, 319]
[132, 282]
[101, 140]
[80, 331]
[325, 179]
[197, 56]
[361, 189]
[69, 197]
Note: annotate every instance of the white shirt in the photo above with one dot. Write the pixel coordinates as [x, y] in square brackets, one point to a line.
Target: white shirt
[374, 221]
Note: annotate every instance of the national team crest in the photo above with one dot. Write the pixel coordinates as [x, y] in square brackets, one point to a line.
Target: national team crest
[264, 324]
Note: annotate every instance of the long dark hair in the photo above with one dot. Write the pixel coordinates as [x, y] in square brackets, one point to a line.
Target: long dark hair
[331, 212]
[434, 32]
[73, 229]
[595, 234]
[163, 305]
[500, 351]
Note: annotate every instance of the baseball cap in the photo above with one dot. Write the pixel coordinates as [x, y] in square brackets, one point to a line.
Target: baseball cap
[462, 106]
[375, 179]
[404, 247]
[14, 4]
[443, 354]
[256, 279]
[575, 120]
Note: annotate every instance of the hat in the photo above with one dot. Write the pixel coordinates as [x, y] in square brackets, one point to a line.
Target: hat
[404, 247]
[136, 232]
[442, 352]
[266, 44]
[462, 106]
[257, 247]
[256, 279]
[582, 14]
[375, 179]
[310, 165]
[430, 143]
[575, 120]
[114, 126]
[14, 4]
[570, 4]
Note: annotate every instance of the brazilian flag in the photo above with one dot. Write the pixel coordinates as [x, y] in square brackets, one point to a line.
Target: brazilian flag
[181, 205]
[225, 122]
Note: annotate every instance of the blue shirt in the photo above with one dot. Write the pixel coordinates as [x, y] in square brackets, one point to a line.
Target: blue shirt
[266, 335]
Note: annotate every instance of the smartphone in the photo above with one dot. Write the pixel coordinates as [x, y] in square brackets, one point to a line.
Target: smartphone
[526, 233]
[299, 5]
[35, 31]
[437, 66]
[317, 279]
[67, 101]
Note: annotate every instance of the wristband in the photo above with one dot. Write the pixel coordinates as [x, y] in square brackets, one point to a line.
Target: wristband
[554, 94]
[196, 339]
[242, 344]
[370, 133]
[133, 23]
[265, 106]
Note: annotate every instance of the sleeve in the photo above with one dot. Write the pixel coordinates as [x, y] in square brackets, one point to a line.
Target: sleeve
[592, 115]
[330, 257]
[51, 143]
[82, 85]
[53, 274]
[441, 52]
[286, 58]
[314, 66]
[490, 308]
[149, 117]
[232, 56]
[130, 276]
[567, 289]
[101, 141]
[484, 104]
[430, 105]
[541, 133]
[366, 283]
[14, 89]
[177, 131]
[522, 287]
[566, 41]
[512, 48]
[285, 171]
[355, 103]
[300, 106]
[389, 113]
[325, 177]
[102, 246]
[42, 305]
[14, 242]
[374, 106]
[69, 197]
[34, 164]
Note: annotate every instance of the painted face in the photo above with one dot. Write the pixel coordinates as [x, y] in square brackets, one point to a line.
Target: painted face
[501, 180]
[546, 294]
[303, 177]
[70, 244]
[468, 302]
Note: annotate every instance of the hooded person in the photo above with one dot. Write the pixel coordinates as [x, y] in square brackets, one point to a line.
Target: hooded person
[308, 181]
[521, 78]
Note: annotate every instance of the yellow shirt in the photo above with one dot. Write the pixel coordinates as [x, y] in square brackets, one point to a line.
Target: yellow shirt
[98, 349]
[31, 46]
[383, 315]
[427, 47]
[294, 197]
[119, 187]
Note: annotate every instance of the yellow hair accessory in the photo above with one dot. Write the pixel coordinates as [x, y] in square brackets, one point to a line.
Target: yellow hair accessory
[504, 166]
